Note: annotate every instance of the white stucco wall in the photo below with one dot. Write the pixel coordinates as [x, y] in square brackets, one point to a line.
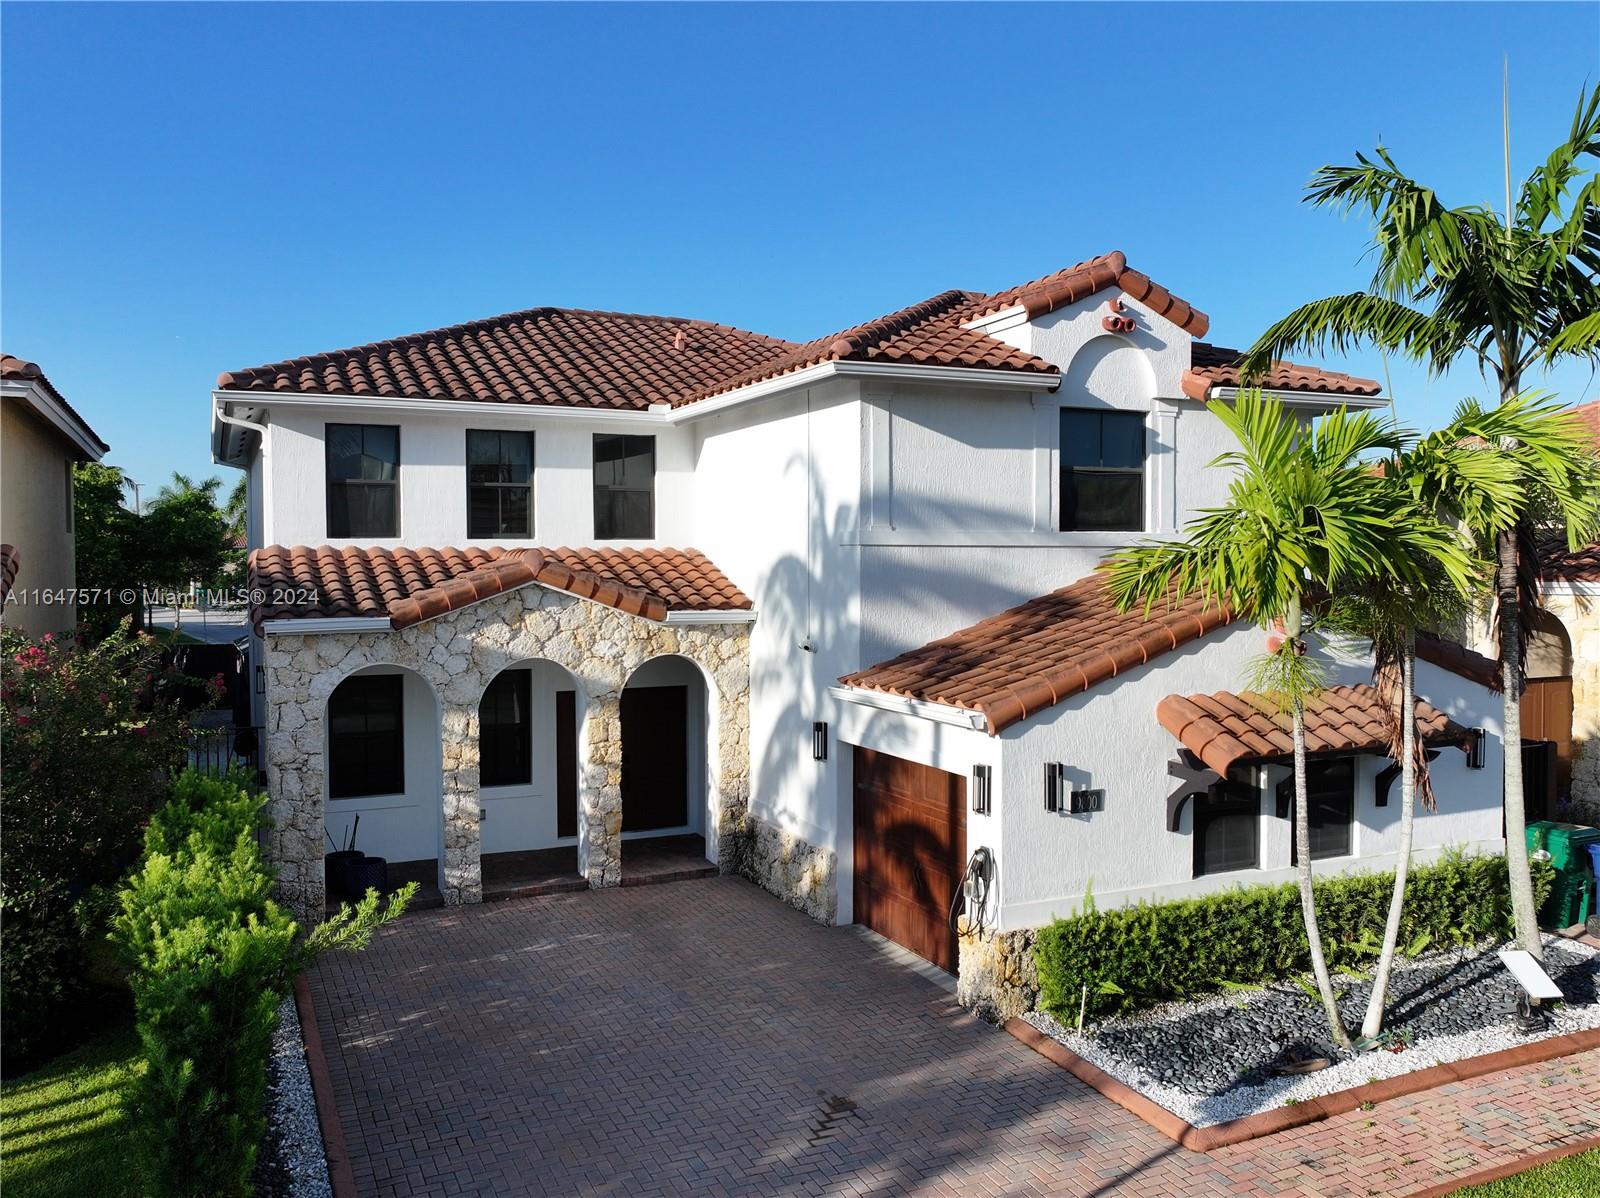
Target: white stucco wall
[433, 488]
[777, 486]
[963, 489]
[524, 816]
[1109, 738]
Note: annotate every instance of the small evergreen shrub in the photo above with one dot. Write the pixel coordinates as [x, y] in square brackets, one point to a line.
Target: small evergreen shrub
[213, 956]
[1151, 953]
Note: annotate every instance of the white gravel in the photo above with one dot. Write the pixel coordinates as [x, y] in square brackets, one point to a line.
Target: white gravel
[292, 1110]
[1206, 1110]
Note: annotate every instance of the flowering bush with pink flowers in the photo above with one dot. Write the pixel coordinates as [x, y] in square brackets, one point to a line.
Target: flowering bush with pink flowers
[89, 737]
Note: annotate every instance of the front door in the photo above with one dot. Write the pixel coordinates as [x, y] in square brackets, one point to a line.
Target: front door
[655, 757]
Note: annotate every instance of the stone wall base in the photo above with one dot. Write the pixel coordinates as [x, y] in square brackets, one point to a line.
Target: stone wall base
[794, 869]
[996, 976]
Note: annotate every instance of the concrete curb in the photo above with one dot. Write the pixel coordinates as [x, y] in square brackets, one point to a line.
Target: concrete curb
[1509, 1169]
[1312, 1110]
[341, 1177]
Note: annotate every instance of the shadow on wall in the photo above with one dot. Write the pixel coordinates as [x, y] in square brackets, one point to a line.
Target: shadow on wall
[814, 602]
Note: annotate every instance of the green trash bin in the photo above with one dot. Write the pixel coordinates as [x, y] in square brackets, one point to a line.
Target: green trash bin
[1570, 897]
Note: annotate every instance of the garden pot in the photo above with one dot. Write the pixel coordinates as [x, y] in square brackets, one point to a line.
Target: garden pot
[336, 868]
[370, 873]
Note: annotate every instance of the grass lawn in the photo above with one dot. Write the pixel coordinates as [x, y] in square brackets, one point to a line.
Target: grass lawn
[63, 1128]
[1574, 1177]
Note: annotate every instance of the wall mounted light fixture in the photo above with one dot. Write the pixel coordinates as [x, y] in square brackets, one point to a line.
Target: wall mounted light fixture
[819, 741]
[1055, 785]
[982, 779]
[1476, 754]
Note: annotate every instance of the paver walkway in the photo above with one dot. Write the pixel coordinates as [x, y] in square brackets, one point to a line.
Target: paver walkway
[700, 1037]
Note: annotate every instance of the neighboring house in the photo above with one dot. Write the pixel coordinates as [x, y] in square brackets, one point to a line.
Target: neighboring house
[822, 687]
[41, 437]
[1561, 706]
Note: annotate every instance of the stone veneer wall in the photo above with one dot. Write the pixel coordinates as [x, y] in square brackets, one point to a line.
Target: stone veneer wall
[794, 869]
[1581, 616]
[459, 654]
[996, 975]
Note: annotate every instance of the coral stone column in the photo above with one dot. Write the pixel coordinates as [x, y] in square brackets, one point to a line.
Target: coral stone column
[461, 869]
[600, 820]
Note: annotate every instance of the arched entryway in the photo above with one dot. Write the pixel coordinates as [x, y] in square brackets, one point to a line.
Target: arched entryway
[668, 725]
[529, 780]
[383, 771]
[1547, 717]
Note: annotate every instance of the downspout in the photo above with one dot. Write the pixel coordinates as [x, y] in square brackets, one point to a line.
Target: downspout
[220, 411]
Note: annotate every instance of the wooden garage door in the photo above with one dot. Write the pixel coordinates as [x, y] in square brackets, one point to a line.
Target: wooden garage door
[910, 830]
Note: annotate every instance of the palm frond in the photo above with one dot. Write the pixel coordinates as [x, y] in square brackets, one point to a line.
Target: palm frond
[1542, 192]
[1340, 323]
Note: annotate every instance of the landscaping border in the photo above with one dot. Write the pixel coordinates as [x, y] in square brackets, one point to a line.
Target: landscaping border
[1509, 1169]
[341, 1176]
[1310, 1110]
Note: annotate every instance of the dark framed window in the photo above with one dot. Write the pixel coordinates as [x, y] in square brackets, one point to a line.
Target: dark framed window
[624, 487]
[1227, 828]
[1331, 790]
[366, 737]
[505, 737]
[363, 480]
[1102, 471]
[499, 483]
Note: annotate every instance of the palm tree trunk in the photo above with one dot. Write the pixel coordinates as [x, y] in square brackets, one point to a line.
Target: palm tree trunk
[1510, 627]
[1302, 840]
[1373, 1023]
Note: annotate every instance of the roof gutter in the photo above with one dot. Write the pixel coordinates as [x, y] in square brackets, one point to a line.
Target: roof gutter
[42, 402]
[312, 625]
[735, 615]
[921, 709]
[1003, 380]
[219, 412]
[1320, 400]
[656, 414]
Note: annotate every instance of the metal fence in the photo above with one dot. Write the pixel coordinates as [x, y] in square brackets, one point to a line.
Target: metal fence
[214, 751]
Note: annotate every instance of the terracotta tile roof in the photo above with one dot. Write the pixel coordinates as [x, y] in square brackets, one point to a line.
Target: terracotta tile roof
[1084, 279]
[10, 563]
[1582, 565]
[925, 334]
[29, 372]
[557, 356]
[1225, 729]
[410, 585]
[1459, 660]
[1033, 656]
[1589, 416]
[623, 361]
[1214, 366]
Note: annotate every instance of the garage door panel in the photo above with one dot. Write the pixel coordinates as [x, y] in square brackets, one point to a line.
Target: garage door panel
[910, 831]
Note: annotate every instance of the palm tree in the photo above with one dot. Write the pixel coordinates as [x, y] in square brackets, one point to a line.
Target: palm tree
[236, 511]
[1461, 284]
[1305, 517]
[182, 485]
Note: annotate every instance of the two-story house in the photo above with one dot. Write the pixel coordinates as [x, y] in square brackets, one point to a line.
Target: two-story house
[482, 629]
[41, 438]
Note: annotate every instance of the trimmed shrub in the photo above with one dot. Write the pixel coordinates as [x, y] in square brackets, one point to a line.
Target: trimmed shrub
[213, 957]
[1151, 953]
[88, 738]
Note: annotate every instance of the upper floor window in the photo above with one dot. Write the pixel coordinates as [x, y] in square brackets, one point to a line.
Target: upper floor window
[499, 483]
[363, 480]
[624, 487]
[1102, 471]
[366, 737]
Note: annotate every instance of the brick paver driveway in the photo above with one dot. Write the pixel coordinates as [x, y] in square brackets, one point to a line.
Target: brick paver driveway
[700, 1037]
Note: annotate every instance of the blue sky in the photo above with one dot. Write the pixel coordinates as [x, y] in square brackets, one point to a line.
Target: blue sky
[186, 189]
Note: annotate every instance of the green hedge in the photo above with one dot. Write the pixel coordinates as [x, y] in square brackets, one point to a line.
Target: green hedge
[213, 956]
[1151, 953]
